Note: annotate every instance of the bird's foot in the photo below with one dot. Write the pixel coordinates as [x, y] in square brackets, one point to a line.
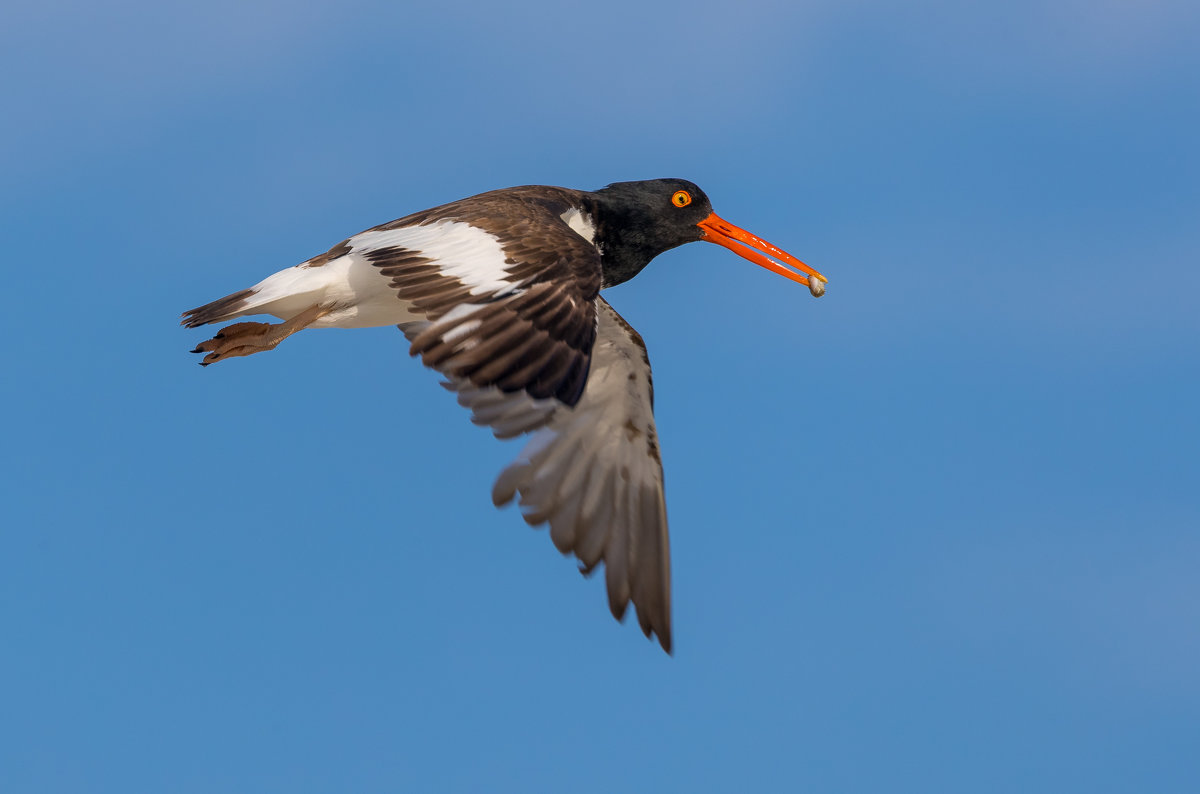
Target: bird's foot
[240, 339]
[244, 339]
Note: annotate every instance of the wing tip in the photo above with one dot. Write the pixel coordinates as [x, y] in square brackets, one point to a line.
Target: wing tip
[656, 629]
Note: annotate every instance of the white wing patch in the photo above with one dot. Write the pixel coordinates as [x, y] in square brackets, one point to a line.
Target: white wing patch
[459, 249]
[360, 297]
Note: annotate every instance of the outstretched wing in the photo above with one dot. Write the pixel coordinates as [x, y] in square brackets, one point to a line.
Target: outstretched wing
[530, 347]
[594, 473]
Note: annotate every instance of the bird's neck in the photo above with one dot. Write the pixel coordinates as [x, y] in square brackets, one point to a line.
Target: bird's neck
[621, 263]
[624, 243]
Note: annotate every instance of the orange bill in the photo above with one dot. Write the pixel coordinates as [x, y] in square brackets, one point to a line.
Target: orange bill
[743, 243]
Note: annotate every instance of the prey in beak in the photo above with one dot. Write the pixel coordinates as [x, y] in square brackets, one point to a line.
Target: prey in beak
[749, 246]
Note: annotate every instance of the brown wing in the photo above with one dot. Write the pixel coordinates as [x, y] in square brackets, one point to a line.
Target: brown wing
[520, 316]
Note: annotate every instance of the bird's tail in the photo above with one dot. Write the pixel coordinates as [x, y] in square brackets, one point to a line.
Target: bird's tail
[226, 308]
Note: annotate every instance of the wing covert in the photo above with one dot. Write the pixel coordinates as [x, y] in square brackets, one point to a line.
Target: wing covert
[507, 288]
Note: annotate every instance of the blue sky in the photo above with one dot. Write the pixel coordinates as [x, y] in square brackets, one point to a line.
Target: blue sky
[937, 531]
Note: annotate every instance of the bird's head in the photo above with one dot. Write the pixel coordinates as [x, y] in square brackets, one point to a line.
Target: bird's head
[640, 220]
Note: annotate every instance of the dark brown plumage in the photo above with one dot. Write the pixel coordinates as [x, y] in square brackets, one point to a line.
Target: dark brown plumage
[499, 292]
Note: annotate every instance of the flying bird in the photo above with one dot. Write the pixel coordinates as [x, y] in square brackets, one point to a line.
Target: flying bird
[500, 293]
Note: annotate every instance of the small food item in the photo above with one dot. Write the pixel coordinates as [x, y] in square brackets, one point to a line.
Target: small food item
[816, 286]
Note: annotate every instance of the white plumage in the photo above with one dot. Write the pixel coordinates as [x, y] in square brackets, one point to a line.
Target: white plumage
[357, 296]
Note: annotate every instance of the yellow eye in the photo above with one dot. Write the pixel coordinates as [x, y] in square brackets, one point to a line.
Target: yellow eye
[681, 198]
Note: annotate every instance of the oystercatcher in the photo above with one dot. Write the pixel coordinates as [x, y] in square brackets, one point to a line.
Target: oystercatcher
[500, 293]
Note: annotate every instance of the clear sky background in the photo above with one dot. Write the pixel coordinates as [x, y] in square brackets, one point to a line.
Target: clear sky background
[937, 531]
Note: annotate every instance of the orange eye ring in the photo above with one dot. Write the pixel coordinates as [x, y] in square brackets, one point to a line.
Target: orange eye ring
[681, 198]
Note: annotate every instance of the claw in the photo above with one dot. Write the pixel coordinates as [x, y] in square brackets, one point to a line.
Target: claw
[244, 339]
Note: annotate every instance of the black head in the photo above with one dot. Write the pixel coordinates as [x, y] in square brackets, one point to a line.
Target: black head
[637, 221]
